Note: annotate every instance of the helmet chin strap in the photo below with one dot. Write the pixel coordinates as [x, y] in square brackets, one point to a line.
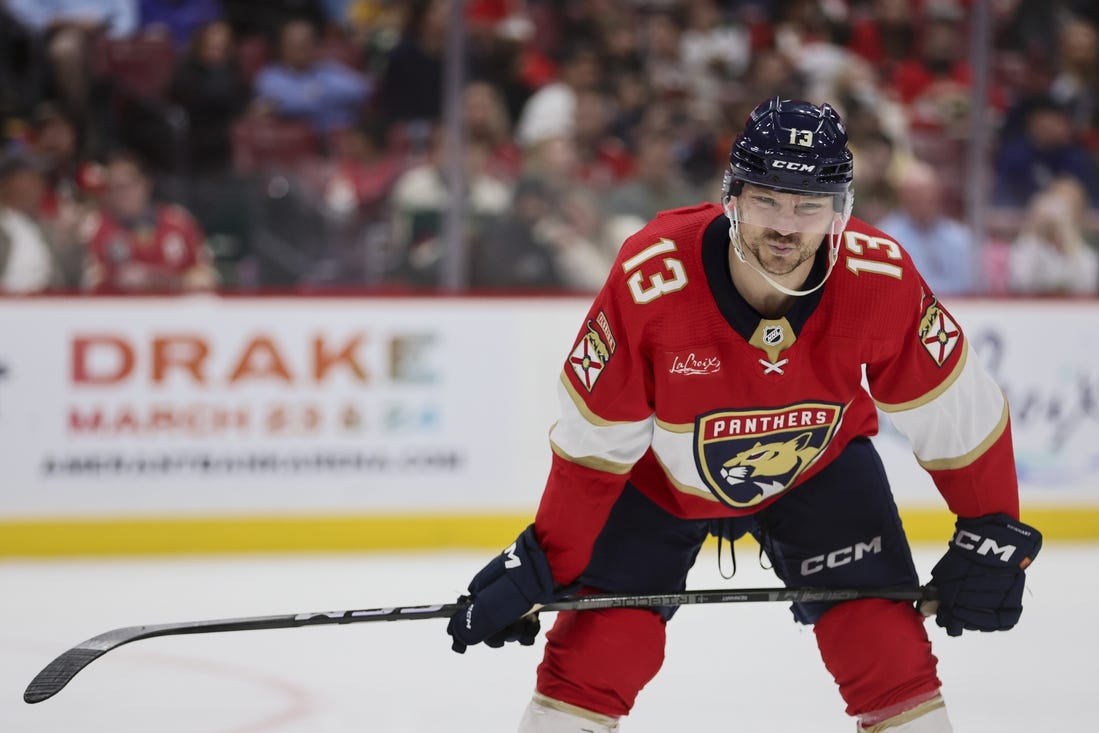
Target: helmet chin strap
[833, 255]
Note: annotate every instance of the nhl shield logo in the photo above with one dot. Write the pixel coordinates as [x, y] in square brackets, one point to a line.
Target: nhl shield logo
[773, 335]
[747, 456]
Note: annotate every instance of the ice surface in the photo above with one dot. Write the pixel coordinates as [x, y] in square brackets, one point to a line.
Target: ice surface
[743, 667]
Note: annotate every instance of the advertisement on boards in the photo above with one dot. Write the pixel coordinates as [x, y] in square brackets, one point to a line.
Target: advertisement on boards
[207, 406]
[200, 405]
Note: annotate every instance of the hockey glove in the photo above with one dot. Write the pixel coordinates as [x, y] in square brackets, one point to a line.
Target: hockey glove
[502, 595]
[980, 578]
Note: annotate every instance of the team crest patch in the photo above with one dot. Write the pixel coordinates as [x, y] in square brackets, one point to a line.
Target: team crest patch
[938, 332]
[746, 456]
[593, 351]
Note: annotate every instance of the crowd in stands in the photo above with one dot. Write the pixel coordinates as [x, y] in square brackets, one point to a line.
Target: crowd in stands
[160, 146]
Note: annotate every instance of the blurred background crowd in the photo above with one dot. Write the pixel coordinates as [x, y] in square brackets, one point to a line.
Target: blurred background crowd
[511, 145]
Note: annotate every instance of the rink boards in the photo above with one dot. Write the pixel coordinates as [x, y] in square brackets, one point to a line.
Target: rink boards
[336, 423]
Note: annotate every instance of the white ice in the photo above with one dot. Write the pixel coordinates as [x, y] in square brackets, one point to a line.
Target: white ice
[743, 667]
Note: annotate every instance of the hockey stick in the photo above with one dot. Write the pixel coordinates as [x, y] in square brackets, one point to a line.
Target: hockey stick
[61, 670]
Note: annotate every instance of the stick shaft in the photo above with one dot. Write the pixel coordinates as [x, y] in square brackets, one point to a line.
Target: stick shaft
[61, 670]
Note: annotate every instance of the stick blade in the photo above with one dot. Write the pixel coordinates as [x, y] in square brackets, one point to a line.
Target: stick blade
[59, 673]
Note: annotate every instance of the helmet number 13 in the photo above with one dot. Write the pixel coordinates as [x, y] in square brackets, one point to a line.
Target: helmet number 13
[645, 290]
[803, 138]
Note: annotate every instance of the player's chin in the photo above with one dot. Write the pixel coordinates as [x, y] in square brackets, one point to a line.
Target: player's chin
[777, 268]
[780, 260]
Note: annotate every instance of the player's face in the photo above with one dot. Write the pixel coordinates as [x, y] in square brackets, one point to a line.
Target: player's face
[782, 230]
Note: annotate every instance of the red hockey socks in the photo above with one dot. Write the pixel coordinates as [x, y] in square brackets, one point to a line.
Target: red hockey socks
[600, 660]
[879, 654]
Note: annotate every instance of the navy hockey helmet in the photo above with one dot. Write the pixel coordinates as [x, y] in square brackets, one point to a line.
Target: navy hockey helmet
[793, 146]
[797, 148]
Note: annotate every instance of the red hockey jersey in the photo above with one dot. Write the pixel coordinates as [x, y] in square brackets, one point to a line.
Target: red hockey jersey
[678, 385]
[168, 246]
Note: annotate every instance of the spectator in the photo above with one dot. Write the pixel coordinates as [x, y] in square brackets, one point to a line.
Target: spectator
[421, 197]
[357, 181]
[1076, 85]
[1044, 148]
[940, 247]
[867, 108]
[27, 262]
[508, 61]
[53, 142]
[807, 33]
[22, 69]
[770, 72]
[630, 103]
[67, 29]
[657, 184]
[619, 46]
[884, 33]
[547, 240]
[876, 162]
[486, 121]
[604, 158]
[712, 50]
[360, 173]
[412, 85]
[666, 71]
[575, 232]
[935, 83]
[513, 256]
[1051, 254]
[326, 94]
[551, 111]
[210, 88]
[136, 245]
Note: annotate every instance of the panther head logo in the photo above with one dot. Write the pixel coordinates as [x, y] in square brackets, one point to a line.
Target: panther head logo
[598, 345]
[766, 466]
[930, 318]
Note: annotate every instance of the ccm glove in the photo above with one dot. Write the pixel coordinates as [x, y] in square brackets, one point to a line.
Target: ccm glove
[980, 578]
[502, 595]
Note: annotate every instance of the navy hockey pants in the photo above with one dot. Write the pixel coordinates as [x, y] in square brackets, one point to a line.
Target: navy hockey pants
[839, 528]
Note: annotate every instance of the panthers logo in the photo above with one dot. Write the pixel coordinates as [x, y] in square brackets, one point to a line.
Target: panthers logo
[746, 457]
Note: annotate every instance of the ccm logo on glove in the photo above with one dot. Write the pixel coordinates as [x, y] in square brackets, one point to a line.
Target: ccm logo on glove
[981, 577]
[987, 546]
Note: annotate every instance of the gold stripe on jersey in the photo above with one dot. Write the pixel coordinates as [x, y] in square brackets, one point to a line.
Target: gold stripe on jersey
[945, 464]
[671, 427]
[931, 395]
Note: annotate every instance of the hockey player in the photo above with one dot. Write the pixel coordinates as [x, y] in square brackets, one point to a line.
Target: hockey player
[716, 386]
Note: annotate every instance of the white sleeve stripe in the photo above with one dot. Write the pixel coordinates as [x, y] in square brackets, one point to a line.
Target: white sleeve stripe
[577, 438]
[675, 452]
[599, 464]
[957, 421]
[944, 464]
